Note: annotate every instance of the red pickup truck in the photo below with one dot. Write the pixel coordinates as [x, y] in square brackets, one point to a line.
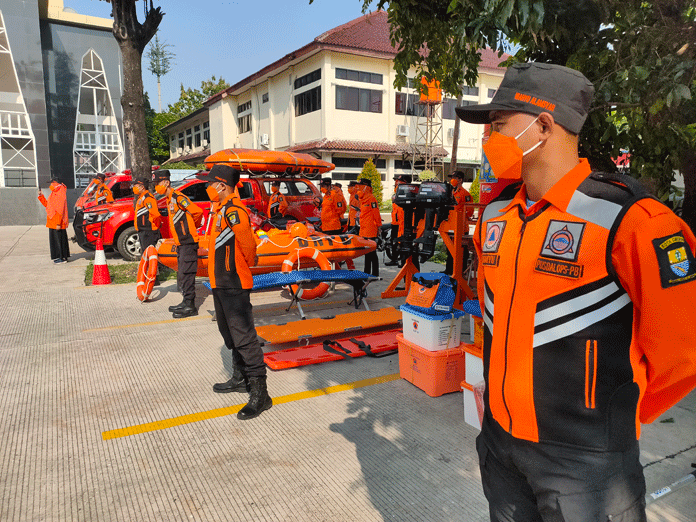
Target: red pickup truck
[114, 221]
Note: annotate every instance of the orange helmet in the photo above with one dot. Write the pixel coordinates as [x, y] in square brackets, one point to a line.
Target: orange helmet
[299, 230]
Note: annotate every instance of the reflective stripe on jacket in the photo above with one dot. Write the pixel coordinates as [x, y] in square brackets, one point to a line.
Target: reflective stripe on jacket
[184, 218]
[587, 330]
[147, 215]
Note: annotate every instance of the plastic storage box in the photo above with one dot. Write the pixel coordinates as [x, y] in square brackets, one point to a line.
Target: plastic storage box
[434, 372]
[474, 364]
[432, 332]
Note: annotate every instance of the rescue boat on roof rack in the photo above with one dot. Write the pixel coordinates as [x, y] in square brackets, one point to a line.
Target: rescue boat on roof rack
[269, 161]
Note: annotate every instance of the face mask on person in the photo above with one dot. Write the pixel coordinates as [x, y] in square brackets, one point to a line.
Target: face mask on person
[324, 190]
[505, 156]
[160, 189]
[213, 193]
[54, 186]
[137, 189]
[454, 182]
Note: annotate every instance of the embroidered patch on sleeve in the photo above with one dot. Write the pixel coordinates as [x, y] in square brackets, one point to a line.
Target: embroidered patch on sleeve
[675, 259]
[374, 204]
[149, 205]
[232, 217]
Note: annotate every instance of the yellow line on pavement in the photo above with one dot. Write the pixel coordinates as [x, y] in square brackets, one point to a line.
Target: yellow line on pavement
[229, 410]
[118, 327]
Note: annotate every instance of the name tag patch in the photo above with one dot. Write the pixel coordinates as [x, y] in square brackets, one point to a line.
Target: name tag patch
[675, 260]
[559, 268]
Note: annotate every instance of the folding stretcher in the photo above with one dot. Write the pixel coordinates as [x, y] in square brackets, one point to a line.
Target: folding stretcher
[358, 280]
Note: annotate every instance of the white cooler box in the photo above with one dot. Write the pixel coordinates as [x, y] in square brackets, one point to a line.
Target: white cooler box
[432, 332]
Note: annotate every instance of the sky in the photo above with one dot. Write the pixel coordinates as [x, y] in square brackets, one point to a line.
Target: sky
[229, 39]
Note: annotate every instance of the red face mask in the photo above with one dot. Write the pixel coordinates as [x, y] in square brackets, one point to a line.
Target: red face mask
[505, 156]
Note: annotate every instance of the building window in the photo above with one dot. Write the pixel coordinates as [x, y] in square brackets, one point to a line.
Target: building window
[206, 132]
[354, 99]
[308, 78]
[308, 101]
[197, 135]
[491, 92]
[244, 107]
[470, 91]
[181, 140]
[408, 104]
[264, 97]
[244, 123]
[359, 76]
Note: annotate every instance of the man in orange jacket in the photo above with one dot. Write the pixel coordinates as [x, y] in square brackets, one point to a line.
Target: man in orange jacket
[102, 194]
[147, 216]
[184, 219]
[397, 219]
[370, 222]
[231, 251]
[462, 197]
[277, 204]
[354, 207]
[57, 221]
[330, 209]
[583, 282]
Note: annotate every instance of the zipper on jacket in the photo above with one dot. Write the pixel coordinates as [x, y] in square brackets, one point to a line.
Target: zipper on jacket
[590, 373]
[507, 329]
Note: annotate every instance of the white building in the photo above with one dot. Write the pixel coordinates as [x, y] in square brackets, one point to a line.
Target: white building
[334, 98]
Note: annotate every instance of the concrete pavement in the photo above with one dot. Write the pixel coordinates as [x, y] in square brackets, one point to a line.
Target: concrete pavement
[108, 414]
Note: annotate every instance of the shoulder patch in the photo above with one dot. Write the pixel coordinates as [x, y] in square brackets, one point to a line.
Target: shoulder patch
[675, 259]
[232, 217]
[374, 204]
[149, 205]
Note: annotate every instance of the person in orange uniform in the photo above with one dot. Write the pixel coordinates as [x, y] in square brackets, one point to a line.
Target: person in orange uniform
[370, 222]
[462, 197]
[331, 210]
[102, 193]
[353, 207]
[57, 221]
[184, 219]
[231, 251]
[277, 204]
[592, 335]
[147, 216]
[338, 191]
[397, 218]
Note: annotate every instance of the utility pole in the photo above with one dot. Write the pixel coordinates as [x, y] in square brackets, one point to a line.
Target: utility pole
[160, 63]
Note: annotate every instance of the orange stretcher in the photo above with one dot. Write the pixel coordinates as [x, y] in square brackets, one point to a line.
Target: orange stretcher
[303, 330]
[368, 344]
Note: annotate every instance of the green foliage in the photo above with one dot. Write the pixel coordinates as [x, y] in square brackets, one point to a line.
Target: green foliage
[426, 175]
[369, 171]
[385, 206]
[127, 273]
[184, 165]
[159, 58]
[191, 100]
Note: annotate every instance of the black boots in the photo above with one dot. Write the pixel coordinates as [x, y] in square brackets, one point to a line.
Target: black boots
[236, 384]
[259, 400]
[189, 309]
[176, 308]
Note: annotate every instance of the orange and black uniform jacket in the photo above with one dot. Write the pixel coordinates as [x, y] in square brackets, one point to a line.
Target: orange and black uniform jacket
[184, 218]
[147, 215]
[370, 220]
[231, 246]
[277, 204]
[103, 194]
[397, 216]
[354, 211]
[331, 211]
[588, 328]
[342, 207]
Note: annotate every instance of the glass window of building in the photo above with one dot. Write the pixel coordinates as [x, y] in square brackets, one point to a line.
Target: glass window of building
[308, 101]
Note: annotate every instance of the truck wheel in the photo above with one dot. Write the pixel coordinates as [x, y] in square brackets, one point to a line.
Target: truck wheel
[128, 244]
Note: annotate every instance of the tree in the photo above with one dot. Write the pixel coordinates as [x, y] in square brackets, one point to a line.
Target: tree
[132, 37]
[369, 171]
[158, 141]
[192, 99]
[160, 59]
[617, 44]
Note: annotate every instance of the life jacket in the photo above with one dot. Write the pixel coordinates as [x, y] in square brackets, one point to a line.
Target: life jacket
[231, 246]
[563, 349]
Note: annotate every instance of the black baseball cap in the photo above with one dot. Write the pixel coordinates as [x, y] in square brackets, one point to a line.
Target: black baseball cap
[160, 175]
[534, 88]
[101, 176]
[223, 173]
[352, 183]
[338, 185]
[365, 181]
[325, 181]
[457, 174]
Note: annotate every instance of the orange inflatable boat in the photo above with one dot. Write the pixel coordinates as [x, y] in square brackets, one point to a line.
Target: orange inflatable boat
[275, 161]
[276, 246]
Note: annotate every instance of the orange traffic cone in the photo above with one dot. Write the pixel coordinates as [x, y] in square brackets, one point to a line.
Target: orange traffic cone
[100, 275]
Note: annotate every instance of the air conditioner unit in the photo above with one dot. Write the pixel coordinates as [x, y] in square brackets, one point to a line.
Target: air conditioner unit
[187, 149]
[402, 130]
[179, 150]
[450, 133]
[264, 140]
[205, 143]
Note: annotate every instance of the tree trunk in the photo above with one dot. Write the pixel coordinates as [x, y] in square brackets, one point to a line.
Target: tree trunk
[689, 172]
[455, 136]
[134, 112]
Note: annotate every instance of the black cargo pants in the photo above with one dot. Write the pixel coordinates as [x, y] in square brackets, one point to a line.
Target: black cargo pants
[187, 266]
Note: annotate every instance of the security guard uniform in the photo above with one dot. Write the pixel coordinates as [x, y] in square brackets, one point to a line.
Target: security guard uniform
[147, 218]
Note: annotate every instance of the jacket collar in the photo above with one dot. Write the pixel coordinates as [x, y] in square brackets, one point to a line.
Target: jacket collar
[560, 194]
